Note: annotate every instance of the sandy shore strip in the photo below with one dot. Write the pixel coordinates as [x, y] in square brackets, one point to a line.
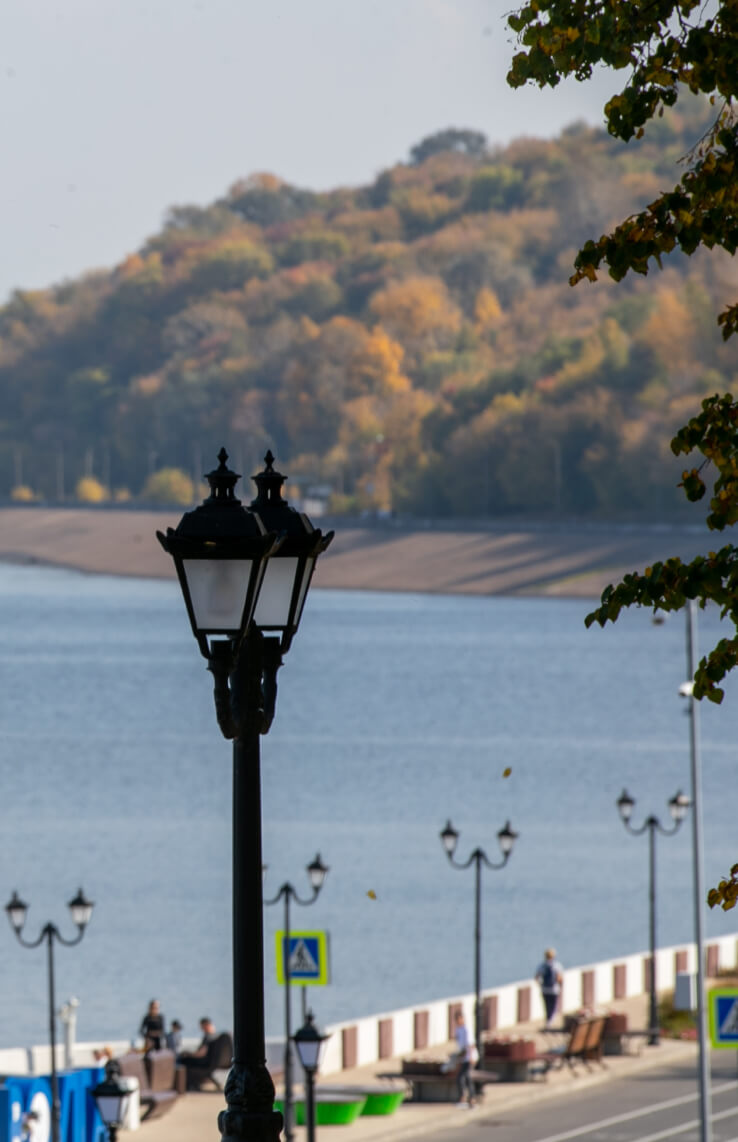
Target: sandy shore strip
[574, 560]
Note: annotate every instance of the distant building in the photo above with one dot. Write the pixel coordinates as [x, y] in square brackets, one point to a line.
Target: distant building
[316, 499]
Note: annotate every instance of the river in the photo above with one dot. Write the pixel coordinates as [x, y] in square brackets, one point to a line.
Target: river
[395, 712]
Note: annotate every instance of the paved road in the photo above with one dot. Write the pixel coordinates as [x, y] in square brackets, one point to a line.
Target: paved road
[653, 1106]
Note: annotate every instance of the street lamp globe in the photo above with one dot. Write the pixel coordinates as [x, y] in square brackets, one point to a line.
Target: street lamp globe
[506, 839]
[220, 551]
[625, 804]
[290, 569]
[678, 805]
[112, 1098]
[449, 839]
[316, 871]
[310, 1045]
[16, 910]
[81, 909]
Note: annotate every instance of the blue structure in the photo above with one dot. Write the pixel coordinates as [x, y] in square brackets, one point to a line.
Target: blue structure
[80, 1121]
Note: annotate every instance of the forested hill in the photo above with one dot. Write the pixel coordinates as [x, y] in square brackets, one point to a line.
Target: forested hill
[412, 345]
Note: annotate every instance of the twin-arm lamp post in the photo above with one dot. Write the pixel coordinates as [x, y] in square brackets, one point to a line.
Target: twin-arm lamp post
[678, 806]
[245, 574]
[80, 909]
[506, 839]
[316, 871]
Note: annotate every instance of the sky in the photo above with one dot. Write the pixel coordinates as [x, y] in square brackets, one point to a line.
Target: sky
[111, 111]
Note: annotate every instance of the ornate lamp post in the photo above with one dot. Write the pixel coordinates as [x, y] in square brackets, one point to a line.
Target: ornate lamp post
[81, 910]
[111, 1099]
[677, 808]
[316, 871]
[245, 575]
[310, 1046]
[506, 838]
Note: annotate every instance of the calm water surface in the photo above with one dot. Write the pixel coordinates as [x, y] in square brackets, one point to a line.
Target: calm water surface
[395, 712]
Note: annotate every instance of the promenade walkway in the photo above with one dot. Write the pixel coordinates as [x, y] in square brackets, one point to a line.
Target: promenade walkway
[194, 1118]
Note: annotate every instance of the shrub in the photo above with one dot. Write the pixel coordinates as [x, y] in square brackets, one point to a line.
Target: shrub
[22, 494]
[169, 486]
[91, 491]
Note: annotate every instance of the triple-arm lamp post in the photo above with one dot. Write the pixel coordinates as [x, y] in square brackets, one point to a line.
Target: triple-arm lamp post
[316, 871]
[678, 806]
[245, 574]
[506, 839]
[81, 910]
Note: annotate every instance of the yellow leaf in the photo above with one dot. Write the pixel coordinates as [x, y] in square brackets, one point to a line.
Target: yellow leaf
[507, 771]
[372, 894]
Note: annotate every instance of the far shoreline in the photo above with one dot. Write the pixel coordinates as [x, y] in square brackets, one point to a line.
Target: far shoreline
[567, 559]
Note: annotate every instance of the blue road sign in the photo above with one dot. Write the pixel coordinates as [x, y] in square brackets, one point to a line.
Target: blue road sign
[723, 1012]
[307, 955]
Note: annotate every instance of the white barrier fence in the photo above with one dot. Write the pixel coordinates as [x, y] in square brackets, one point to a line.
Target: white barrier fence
[376, 1037]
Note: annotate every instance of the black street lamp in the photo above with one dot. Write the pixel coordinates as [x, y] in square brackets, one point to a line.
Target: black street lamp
[112, 1098]
[310, 1047]
[316, 871]
[81, 910]
[245, 574]
[677, 808]
[506, 839]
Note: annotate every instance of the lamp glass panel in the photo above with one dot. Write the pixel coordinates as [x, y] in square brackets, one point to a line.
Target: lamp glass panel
[112, 1107]
[81, 913]
[316, 874]
[218, 589]
[17, 914]
[306, 575]
[309, 1052]
[275, 597]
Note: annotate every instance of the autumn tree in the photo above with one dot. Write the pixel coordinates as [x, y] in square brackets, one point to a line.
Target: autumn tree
[669, 48]
[451, 139]
[169, 486]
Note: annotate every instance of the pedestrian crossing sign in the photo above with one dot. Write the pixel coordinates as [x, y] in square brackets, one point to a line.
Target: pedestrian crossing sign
[306, 957]
[723, 1012]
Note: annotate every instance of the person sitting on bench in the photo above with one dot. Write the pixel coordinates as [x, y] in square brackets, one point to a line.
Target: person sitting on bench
[198, 1059]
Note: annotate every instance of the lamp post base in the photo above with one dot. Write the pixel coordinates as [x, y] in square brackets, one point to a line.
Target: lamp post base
[250, 1116]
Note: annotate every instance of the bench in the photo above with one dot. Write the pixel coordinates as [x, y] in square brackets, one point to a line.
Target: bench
[431, 1080]
[584, 1045]
[437, 1080]
[213, 1066]
[159, 1082]
[508, 1058]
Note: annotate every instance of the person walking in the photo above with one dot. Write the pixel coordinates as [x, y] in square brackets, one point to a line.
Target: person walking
[550, 976]
[465, 1055]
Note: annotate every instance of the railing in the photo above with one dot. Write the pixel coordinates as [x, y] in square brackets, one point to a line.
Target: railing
[362, 1041]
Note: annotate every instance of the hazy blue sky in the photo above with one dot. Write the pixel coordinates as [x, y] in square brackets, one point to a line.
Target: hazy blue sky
[113, 110]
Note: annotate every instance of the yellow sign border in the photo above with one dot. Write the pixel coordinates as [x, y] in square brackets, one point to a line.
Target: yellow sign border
[323, 976]
[712, 997]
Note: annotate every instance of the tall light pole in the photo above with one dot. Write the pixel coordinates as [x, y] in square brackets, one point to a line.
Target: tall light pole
[698, 876]
[316, 871]
[506, 839]
[677, 808]
[81, 910]
[245, 574]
